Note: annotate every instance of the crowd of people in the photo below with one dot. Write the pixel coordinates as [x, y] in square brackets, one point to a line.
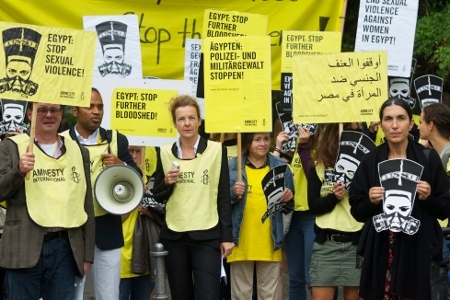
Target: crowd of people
[213, 207]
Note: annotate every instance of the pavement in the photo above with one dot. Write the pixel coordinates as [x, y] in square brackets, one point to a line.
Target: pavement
[89, 289]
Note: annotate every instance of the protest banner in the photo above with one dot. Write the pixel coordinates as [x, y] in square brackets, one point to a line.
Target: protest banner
[220, 23]
[165, 25]
[342, 87]
[237, 84]
[192, 68]
[388, 25]
[46, 64]
[302, 42]
[118, 49]
[139, 108]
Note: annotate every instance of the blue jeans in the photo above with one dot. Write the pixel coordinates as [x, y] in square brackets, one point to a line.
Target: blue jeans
[299, 242]
[53, 275]
[136, 288]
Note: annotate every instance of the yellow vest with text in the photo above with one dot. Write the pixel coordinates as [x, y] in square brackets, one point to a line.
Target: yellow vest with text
[300, 184]
[56, 189]
[193, 203]
[340, 217]
[97, 165]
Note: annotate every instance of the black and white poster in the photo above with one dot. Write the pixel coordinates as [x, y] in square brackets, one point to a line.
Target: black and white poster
[399, 178]
[118, 50]
[273, 186]
[429, 89]
[13, 112]
[353, 145]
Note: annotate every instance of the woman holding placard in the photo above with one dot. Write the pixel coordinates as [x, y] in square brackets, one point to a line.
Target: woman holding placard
[258, 213]
[399, 241]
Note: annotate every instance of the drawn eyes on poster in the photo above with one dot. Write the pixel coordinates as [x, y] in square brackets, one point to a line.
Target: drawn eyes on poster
[118, 52]
[400, 87]
[13, 112]
[20, 45]
[112, 36]
[399, 178]
[353, 145]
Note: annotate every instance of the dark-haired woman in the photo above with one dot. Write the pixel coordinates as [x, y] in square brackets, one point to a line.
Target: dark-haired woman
[258, 243]
[333, 261]
[396, 265]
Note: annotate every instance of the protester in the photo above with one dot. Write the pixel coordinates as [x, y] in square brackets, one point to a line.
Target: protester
[395, 263]
[106, 148]
[258, 243]
[337, 233]
[141, 232]
[192, 176]
[48, 236]
[435, 128]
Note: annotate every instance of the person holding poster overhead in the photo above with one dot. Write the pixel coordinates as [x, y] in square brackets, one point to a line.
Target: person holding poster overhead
[192, 178]
[398, 243]
[106, 148]
[48, 236]
[258, 229]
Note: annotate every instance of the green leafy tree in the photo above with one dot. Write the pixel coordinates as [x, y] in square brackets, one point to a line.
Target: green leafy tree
[432, 40]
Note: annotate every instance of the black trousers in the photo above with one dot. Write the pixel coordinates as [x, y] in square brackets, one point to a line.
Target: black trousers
[193, 268]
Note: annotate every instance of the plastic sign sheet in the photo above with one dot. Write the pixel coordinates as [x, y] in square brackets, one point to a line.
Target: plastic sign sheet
[237, 84]
[46, 64]
[139, 108]
[138, 111]
[165, 25]
[388, 25]
[342, 87]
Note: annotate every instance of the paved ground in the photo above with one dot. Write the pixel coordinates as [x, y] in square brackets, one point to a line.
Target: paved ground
[89, 290]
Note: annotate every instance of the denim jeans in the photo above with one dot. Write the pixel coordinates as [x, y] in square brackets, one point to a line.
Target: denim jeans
[136, 288]
[53, 275]
[299, 242]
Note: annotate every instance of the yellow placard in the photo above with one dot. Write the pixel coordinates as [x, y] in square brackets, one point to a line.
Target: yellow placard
[142, 112]
[342, 87]
[220, 23]
[237, 84]
[165, 25]
[307, 42]
[46, 64]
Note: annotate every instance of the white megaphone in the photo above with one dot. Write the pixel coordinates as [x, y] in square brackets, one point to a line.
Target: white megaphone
[119, 189]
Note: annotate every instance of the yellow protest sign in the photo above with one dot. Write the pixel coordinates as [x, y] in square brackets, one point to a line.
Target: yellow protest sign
[237, 84]
[165, 25]
[219, 23]
[341, 87]
[307, 42]
[142, 112]
[46, 64]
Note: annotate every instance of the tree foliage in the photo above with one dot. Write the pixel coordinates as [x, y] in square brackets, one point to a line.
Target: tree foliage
[432, 40]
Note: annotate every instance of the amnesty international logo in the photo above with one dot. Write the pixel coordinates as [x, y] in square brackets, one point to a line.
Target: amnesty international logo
[205, 179]
[75, 175]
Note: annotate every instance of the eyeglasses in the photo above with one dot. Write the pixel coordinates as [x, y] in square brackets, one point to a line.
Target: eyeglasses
[44, 111]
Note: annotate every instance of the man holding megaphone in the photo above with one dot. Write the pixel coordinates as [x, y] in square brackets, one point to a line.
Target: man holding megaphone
[106, 148]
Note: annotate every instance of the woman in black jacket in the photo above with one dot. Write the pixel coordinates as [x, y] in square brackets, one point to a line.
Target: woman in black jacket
[396, 264]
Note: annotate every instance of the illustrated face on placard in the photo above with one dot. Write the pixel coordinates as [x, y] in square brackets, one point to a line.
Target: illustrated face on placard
[13, 112]
[397, 208]
[20, 45]
[112, 36]
[345, 168]
[353, 145]
[399, 178]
